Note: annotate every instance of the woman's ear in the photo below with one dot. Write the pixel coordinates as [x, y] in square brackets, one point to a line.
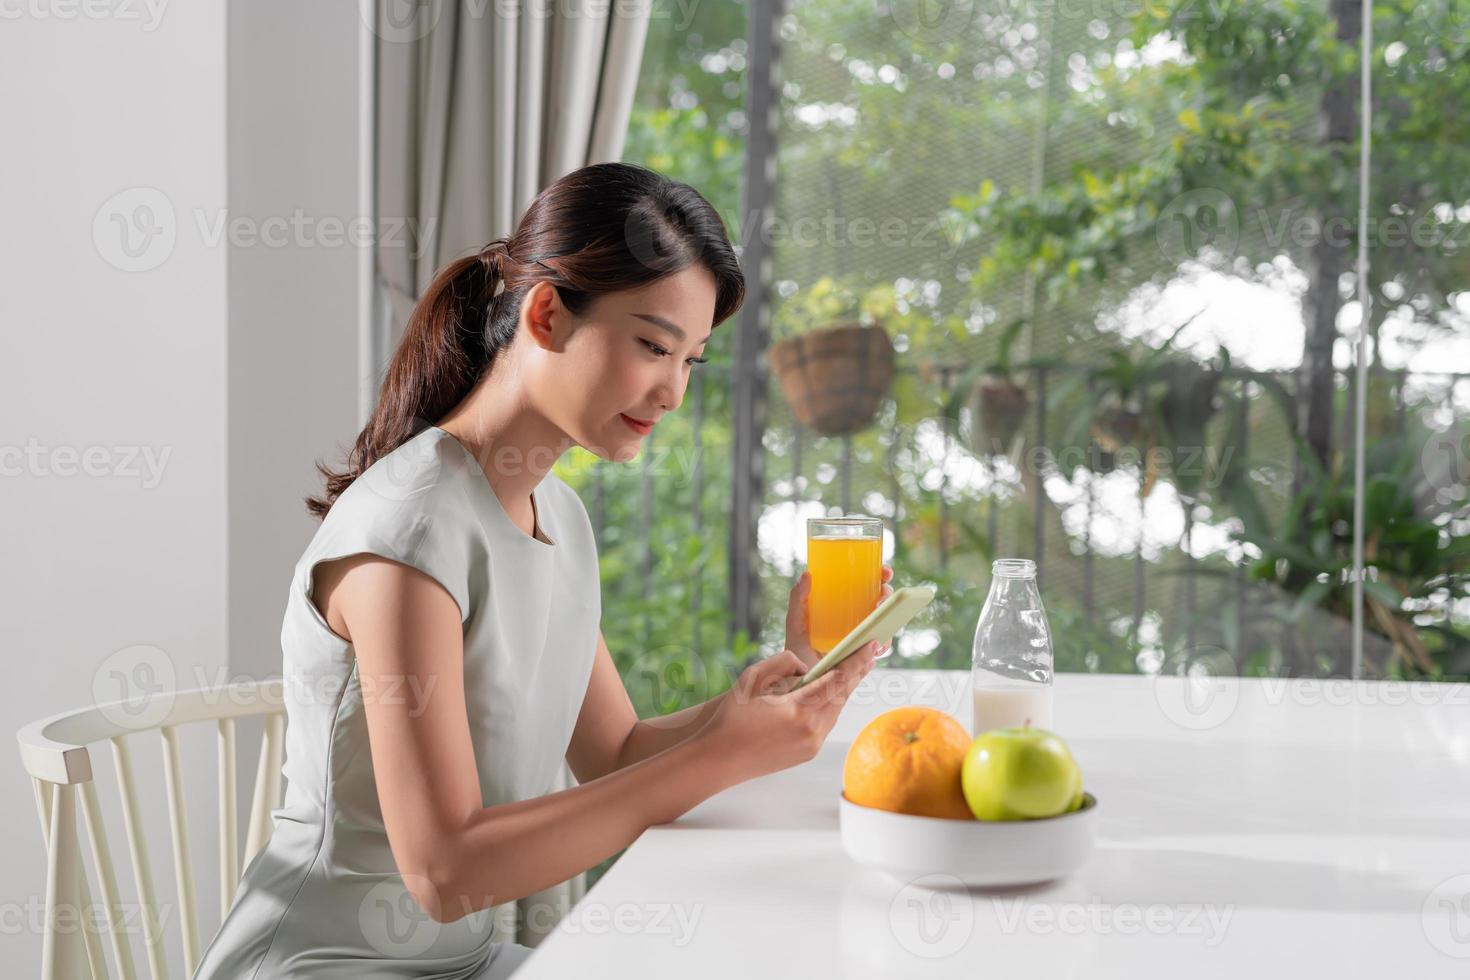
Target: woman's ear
[544, 317]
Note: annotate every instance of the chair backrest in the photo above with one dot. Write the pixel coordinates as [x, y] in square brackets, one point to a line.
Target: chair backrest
[55, 752]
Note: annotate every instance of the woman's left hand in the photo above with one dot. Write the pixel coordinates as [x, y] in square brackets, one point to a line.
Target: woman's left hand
[798, 630]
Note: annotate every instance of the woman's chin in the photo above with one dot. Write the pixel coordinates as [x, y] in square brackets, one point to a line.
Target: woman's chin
[624, 449]
[628, 452]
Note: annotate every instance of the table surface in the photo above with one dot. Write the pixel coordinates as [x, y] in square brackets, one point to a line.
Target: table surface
[1245, 828]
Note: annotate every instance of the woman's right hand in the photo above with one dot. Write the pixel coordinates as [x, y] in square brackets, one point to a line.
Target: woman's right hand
[767, 726]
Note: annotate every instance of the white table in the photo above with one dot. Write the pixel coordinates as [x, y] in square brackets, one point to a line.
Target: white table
[1247, 829]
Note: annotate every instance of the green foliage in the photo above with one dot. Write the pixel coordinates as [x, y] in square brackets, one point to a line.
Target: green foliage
[1148, 164]
[829, 301]
[1233, 109]
[1414, 561]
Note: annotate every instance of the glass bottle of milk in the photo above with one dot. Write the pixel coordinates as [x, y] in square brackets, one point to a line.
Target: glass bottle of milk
[1010, 666]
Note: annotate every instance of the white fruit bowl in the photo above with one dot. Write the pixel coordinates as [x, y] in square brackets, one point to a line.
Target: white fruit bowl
[984, 853]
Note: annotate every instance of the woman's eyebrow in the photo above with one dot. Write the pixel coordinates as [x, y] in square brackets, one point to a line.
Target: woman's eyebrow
[668, 325]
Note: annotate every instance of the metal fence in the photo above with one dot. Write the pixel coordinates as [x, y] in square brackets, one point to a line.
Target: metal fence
[711, 475]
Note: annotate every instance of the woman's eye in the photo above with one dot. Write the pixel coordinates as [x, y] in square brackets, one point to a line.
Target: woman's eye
[661, 352]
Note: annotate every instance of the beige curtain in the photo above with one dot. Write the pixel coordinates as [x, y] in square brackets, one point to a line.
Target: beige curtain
[479, 105]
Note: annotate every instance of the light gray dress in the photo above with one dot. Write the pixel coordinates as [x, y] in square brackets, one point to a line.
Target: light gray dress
[324, 899]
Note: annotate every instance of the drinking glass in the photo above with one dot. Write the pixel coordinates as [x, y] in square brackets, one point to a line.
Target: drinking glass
[845, 558]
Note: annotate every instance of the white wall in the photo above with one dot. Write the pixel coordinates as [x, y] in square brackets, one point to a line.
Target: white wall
[234, 365]
[293, 312]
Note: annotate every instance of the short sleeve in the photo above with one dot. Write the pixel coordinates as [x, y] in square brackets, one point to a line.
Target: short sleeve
[411, 510]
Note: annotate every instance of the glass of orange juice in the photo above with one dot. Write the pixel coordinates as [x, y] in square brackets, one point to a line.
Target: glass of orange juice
[845, 558]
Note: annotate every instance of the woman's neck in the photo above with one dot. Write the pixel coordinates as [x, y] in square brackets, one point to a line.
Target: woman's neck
[515, 445]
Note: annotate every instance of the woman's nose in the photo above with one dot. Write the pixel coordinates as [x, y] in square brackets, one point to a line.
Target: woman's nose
[670, 394]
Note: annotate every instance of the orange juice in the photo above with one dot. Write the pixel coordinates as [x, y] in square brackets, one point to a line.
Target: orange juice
[846, 585]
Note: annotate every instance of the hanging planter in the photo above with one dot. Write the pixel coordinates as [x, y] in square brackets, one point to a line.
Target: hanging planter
[1184, 409]
[1115, 428]
[998, 403]
[1000, 406]
[835, 378]
[1119, 421]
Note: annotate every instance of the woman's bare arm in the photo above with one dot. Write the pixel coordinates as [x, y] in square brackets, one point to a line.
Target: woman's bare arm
[534, 844]
[653, 735]
[608, 735]
[456, 855]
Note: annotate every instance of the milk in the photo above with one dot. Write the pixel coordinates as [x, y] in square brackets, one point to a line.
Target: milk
[1011, 705]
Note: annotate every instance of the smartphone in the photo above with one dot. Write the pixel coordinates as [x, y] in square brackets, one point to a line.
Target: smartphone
[881, 624]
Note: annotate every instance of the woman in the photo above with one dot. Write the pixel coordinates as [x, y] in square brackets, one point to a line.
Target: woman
[442, 654]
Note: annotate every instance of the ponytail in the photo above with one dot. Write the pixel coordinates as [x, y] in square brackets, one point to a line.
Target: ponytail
[601, 229]
[451, 339]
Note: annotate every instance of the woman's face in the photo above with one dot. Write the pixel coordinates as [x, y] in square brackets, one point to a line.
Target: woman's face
[626, 360]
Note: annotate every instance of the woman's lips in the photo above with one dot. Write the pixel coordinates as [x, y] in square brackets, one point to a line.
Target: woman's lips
[642, 428]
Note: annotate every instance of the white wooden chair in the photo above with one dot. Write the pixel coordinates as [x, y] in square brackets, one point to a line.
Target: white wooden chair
[55, 751]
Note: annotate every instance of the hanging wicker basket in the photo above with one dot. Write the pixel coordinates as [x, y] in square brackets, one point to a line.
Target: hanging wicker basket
[1000, 406]
[834, 379]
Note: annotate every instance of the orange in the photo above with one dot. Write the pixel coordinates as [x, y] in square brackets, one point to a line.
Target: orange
[908, 760]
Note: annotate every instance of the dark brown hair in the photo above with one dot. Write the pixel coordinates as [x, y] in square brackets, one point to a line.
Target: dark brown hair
[601, 229]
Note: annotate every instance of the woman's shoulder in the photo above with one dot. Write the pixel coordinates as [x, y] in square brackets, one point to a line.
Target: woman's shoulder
[425, 464]
[405, 496]
[411, 506]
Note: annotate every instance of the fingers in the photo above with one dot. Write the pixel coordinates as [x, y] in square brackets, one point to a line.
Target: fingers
[783, 685]
[838, 683]
[781, 664]
[762, 675]
[796, 608]
[887, 589]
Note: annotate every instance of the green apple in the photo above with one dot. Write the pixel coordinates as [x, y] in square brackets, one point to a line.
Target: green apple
[1077, 793]
[1020, 774]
